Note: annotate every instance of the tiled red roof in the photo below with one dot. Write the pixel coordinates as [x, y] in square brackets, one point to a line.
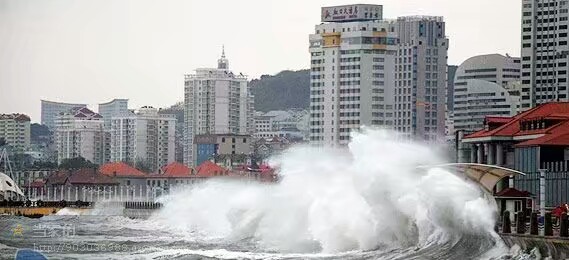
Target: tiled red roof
[512, 128]
[513, 193]
[210, 169]
[120, 169]
[90, 177]
[176, 169]
[57, 178]
[497, 119]
[558, 135]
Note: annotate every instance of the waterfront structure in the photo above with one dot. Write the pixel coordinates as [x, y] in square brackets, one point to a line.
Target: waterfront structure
[50, 110]
[113, 108]
[222, 147]
[532, 141]
[421, 75]
[79, 133]
[15, 130]
[529, 141]
[143, 137]
[544, 52]
[481, 88]
[352, 72]
[216, 101]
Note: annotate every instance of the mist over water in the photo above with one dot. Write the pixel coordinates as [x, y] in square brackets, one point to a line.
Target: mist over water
[370, 196]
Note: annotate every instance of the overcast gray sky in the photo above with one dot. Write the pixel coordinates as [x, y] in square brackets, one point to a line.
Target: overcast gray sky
[94, 51]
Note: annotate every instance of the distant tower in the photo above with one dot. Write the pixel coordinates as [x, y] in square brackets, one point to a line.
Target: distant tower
[223, 63]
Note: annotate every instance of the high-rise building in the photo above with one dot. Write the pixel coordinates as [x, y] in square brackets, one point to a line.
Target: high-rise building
[15, 130]
[178, 111]
[144, 138]
[216, 101]
[484, 86]
[79, 133]
[113, 108]
[366, 71]
[451, 71]
[50, 110]
[352, 72]
[421, 77]
[544, 52]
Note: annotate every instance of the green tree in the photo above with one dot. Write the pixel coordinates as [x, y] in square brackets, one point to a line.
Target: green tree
[143, 165]
[76, 163]
[286, 90]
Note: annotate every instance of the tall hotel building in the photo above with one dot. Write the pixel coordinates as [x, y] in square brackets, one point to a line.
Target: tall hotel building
[352, 72]
[366, 71]
[216, 101]
[544, 52]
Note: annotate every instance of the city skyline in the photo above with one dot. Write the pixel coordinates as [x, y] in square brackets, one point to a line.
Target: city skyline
[94, 52]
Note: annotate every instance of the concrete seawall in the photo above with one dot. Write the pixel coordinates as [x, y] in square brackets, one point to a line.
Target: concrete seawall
[554, 247]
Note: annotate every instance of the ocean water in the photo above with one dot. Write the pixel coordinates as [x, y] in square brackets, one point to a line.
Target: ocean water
[369, 201]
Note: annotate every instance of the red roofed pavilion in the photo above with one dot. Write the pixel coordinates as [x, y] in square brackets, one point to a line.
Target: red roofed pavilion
[532, 140]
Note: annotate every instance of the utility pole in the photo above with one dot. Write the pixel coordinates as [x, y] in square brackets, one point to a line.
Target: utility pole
[542, 191]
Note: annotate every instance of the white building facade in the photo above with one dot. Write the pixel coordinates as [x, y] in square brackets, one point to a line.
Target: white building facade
[352, 72]
[216, 101]
[544, 52]
[79, 133]
[482, 87]
[15, 130]
[144, 137]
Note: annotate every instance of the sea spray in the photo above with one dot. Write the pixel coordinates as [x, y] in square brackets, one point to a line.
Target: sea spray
[371, 195]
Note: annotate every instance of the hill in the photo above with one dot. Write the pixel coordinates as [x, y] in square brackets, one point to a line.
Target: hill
[286, 90]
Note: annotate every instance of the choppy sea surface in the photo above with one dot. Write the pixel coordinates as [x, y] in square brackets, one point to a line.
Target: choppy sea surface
[115, 237]
[369, 201]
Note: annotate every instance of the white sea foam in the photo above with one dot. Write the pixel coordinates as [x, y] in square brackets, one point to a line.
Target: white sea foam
[369, 196]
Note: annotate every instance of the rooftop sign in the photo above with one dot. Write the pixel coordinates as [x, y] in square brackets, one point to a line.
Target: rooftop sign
[358, 12]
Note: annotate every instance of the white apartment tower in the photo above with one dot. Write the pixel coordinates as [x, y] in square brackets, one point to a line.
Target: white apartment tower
[421, 80]
[15, 130]
[352, 72]
[485, 85]
[544, 51]
[216, 101]
[79, 133]
[144, 137]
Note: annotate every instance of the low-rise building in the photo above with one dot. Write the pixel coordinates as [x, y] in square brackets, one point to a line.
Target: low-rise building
[15, 130]
[537, 139]
[222, 147]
